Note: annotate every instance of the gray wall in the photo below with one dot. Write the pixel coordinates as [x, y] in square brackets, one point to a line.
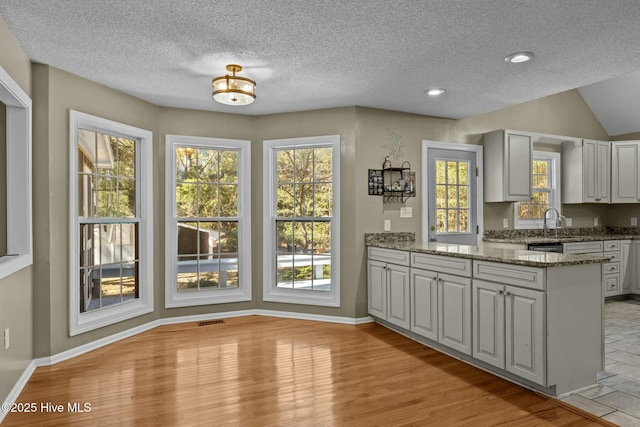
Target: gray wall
[16, 311]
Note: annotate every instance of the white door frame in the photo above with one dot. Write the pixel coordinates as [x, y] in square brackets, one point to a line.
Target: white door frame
[426, 145]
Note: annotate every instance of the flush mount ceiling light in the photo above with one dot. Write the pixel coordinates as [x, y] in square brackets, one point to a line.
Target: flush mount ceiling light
[519, 57]
[233, 90]
[434, 91]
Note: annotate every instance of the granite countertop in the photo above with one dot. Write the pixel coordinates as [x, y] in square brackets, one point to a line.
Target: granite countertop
[491, 253]
[561, 239]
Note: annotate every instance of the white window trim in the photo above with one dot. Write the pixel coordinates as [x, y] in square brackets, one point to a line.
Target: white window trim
[270, 291]
[18, 170]
[84, 322]
[173, 298]
[554, 197]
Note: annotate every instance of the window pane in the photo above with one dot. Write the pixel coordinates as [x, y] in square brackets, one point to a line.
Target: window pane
[285, 200]
[228, 239]
[185, 164]
[464, 196]
[126, 198]
[441, 196]
[543, 182]
[441, 172]
[441, 218]
[209, 276]
[208, 237]
[187, 274]
[208, 201]
[284, 253]
[187, 239]
[229, 166]
[322, 166]
[126, 158]
[228, 200]
[542, 167]
[106, 197]
[452, 196]
[186, 206]
[303, 200]
[452, 172]
[207, 166]
[464, 221]
[452, 225]
[463, 172]
[303, 160]
[285, 165]
[129, 281]
[323, 200]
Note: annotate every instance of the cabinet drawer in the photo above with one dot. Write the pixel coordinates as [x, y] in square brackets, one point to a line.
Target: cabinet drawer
[613, 255]
[442, 264]
[611, 268]
[582, 247]
[612, 245]
[392, 256]
[611, 285]
[510, 274]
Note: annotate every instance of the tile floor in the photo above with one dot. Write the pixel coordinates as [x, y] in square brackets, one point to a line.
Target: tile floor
[616, 398]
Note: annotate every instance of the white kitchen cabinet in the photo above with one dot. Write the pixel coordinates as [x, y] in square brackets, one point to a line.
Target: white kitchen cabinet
[508, 327]
[454, 312]
[586, 171]
[507, 166]
[424, 303]
[388, 287]
[634, 258]
[625, 179]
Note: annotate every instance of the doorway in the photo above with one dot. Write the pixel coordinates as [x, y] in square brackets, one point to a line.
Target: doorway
[452, 193]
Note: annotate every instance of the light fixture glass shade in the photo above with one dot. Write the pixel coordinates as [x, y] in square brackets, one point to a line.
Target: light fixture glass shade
[233, 90]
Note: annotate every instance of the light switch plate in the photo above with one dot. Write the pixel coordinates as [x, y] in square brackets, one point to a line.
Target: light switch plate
[568, 222]
[505, 222]
[6, 339]
[634, 220]
[387, 225]
[595, 221]
[406, 212]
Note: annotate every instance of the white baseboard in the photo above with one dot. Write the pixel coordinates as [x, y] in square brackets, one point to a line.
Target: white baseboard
[94, 345]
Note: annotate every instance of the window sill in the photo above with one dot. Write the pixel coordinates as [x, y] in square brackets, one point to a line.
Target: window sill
[10, 264]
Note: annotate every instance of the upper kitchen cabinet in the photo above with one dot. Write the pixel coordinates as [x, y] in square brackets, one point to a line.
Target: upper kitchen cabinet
[586, 171]
[507, 166]
[625, 180]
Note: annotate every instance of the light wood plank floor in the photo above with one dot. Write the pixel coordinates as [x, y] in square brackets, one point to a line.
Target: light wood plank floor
[278, 372]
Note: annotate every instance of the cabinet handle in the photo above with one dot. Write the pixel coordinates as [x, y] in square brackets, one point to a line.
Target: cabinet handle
[507, 293]
[500, 292]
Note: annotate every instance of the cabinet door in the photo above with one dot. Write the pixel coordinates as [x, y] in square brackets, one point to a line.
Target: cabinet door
[424, 303]
[589, 171]
[635, 269]
[524, 324]
[454, 312]
[517, 179]
[624, 172]
[398, 311]
[488, 322]
[603, 172]
[626, 276]
[377, 289]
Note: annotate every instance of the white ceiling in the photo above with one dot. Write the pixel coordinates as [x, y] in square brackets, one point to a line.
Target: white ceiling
[311, 54]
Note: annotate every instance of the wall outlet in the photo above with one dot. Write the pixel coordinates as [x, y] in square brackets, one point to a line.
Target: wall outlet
[634, 220]
[6, 339]
[595, 221]
[387, 225]
[568, 222]
[406, 212]
[505, 222]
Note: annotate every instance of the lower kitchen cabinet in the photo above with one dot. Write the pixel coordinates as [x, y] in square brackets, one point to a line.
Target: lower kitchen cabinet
[388, 292]
[454, 312]
[424, 303]
[508, 328]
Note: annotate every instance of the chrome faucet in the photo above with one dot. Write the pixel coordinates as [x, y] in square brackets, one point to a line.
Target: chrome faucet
[545, 229]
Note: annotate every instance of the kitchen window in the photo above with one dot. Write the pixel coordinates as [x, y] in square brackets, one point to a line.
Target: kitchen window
[301, 220]
[545, 182]
[208, 226]
[16, 244]
[111, 222]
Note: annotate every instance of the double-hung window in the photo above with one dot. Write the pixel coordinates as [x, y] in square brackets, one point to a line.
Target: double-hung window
[545, 182]
[111, 222]
[301, 220]
[208, 221]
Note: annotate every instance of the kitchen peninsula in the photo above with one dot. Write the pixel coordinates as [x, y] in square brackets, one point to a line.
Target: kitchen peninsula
[534, 318]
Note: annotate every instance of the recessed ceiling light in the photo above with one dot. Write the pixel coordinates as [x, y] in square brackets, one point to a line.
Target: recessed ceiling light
[434, 92]
[518, 57]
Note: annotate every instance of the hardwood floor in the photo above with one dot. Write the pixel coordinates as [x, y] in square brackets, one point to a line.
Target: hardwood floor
[277, 372]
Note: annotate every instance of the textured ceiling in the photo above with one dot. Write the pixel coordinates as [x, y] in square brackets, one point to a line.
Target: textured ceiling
[326, 53]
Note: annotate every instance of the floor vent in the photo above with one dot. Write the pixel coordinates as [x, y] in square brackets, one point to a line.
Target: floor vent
[210, 322]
